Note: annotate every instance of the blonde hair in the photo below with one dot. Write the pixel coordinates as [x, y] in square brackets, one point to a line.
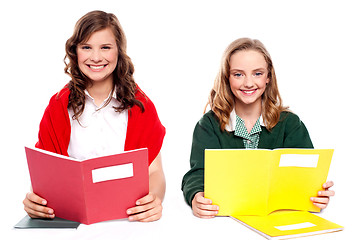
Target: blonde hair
[221, 98]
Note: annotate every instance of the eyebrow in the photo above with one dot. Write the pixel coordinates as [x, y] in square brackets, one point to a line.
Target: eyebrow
[254, 70]
[104, 44]
[108, 44]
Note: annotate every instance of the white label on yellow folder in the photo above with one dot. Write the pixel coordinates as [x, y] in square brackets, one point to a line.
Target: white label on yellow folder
[299, 160]
[295, 226]
[112, 173]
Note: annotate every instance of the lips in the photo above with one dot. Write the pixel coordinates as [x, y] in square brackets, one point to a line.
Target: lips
[97, 67]
[248, 92]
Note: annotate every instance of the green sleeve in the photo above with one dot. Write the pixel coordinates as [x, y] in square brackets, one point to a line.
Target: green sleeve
[204, 137]
[296, 134]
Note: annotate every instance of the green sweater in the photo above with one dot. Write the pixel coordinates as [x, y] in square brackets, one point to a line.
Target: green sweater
[290, 132]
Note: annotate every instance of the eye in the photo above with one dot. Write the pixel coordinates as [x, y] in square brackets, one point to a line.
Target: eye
[106, 47]
[258, 74]
[84, 47]
[237, 74]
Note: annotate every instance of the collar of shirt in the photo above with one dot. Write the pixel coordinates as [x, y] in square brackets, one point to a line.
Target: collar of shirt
[241, 129]
[114, 96]
[231, 126]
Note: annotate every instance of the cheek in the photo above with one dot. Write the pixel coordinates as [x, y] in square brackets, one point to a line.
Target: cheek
[263, 86]
[112, 56]
[80, 54]
[81, 59]
[263, 83]
[113, 63]
[233, 84]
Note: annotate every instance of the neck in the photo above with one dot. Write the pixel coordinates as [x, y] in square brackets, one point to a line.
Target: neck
[249, 112]
[100, 91]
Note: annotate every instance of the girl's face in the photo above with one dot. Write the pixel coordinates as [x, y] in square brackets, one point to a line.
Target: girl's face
[97, 57]
[248, 77]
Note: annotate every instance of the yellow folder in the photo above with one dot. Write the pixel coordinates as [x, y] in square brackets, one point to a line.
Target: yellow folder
[258, 181]
[288, 224]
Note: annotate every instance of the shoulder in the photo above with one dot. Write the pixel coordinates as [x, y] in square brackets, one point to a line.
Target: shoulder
[140, 95]
[290, 122]
[60, 99]
[208, 124]
[209, 119]
[61, 96]
[289, 116]
[150, 111]
[295, 133]
[144, 99]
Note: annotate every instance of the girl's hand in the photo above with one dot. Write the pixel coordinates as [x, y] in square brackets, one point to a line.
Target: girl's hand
[35, 206]
[323, 197]
[202, 207]
[147, 209]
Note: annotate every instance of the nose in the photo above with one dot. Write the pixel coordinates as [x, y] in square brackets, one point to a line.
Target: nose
[95, 56]
[248, 82]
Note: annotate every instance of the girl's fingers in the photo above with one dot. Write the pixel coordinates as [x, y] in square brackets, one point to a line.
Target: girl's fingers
[202, 207]
[202, 200]
[208, 207]
[144, 204]
[328, 184]
[149, 208]
[150, 215]
[39, 213]
[320, 205]
[323, 197]
[35, 206]
[320, 202]
[35, 198]
[204, 213]
[328, 193]
[147, 199]
[323, 200]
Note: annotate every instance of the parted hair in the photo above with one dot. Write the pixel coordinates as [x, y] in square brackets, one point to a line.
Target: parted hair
[123, 81]
[221, 98]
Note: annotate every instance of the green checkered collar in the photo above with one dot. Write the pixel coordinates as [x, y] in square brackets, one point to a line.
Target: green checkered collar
[231, 126]
[241, 130]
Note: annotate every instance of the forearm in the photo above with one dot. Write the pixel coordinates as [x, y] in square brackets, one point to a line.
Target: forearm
[157, 184]
[193, 182]
[157, 178]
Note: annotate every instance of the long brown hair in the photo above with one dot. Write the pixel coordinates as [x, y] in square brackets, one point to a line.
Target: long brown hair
[123, 80]
[221, 98]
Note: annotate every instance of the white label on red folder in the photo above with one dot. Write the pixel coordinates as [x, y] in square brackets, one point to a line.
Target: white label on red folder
[295, 226]
[112, 173]
[299, 160]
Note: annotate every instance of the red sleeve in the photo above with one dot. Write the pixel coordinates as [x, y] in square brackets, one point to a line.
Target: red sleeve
[54, 129]
[144, 128]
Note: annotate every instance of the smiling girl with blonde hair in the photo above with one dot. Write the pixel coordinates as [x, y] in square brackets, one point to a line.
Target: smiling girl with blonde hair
[246, 112]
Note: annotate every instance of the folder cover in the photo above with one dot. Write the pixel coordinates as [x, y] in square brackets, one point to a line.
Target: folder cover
[92, 190]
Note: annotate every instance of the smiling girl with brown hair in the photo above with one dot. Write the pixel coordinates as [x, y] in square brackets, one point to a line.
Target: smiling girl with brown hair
[102, 111]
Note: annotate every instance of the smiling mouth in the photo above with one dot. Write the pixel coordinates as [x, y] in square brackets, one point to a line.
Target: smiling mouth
[97, 67]
[249, 92]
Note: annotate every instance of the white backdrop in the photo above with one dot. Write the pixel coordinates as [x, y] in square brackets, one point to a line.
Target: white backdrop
[176, 48]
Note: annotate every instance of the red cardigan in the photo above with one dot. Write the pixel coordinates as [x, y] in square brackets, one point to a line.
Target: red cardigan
[144, 129]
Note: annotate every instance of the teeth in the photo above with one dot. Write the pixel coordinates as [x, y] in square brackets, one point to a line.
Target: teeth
[248, 92]
[96, 67]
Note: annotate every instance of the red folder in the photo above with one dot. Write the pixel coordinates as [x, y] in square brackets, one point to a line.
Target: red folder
[92, 190]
